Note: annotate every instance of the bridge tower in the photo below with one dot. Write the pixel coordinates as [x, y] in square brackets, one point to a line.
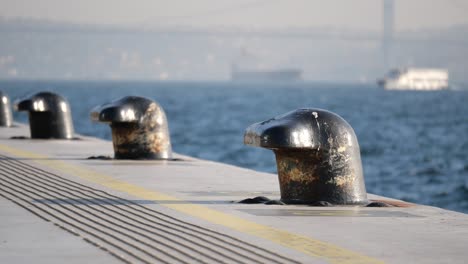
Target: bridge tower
[387, 33]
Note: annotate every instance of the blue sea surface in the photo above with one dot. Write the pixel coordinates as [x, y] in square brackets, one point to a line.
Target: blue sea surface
[414, 145]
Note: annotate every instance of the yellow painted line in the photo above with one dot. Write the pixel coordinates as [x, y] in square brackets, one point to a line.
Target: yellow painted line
[312, 247]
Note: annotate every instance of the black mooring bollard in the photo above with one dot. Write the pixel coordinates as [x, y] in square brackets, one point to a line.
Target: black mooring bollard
[6, 118]
[139, 128]
[49, 115]
[317, 155]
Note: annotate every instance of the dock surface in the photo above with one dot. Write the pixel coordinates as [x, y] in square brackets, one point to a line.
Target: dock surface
[57, 205]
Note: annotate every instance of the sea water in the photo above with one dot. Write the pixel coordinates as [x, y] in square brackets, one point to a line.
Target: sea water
[414, 144]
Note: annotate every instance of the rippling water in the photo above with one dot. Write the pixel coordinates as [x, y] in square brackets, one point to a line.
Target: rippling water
[414, 145]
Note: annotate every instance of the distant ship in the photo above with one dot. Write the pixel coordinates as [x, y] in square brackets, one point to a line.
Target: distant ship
[415, 79]
[267, 75]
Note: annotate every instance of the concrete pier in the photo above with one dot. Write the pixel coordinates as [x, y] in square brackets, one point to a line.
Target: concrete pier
[59, 206]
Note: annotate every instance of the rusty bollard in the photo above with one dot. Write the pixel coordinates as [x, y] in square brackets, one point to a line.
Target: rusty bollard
[139, 128]
[6, 118]
[49, 115]
[317, 155]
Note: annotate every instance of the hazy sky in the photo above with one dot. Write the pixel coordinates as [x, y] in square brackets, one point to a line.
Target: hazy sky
[355, 14]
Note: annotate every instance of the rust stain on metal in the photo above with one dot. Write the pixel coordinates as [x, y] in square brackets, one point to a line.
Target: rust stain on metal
[146, 139]
[299, 174]
[342, 180]
[312, 175]
[294, 169]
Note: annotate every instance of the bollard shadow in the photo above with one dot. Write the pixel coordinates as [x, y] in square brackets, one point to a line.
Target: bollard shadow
[11, 126]
[101, 158]
[33, 159]
[29, 138]
[104, 157]
[108, 201]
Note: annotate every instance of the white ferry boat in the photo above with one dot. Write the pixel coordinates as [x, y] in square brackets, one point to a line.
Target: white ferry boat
[415, 79]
